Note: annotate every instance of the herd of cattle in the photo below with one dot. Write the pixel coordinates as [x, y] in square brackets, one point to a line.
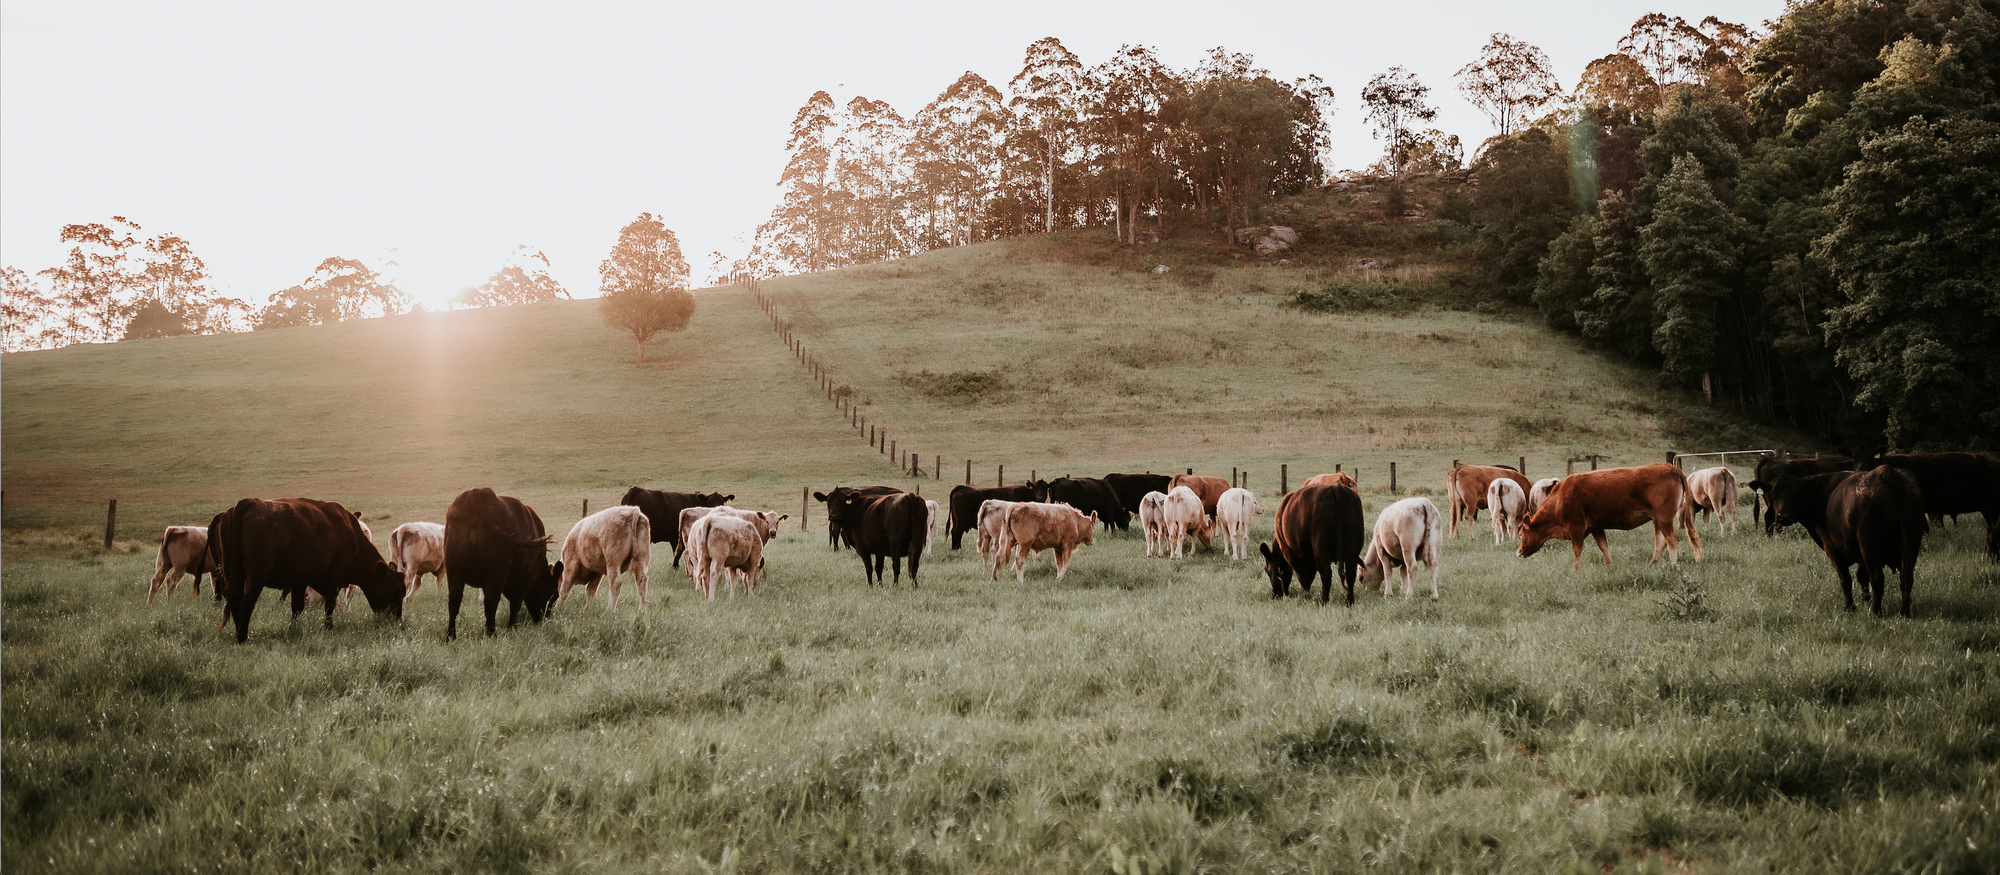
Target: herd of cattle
[1870, 513]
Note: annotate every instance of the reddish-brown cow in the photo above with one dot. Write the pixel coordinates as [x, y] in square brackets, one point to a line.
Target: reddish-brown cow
[1616, 498]
[1466, 487]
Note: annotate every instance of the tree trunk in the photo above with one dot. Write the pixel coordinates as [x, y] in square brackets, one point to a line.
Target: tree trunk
[642, 348]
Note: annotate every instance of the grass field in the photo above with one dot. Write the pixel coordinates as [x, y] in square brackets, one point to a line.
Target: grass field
[1141, 715]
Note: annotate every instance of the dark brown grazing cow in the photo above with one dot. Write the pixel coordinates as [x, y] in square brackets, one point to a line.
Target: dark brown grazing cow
[1132, 488]
[1318, 528]
[1871, 518]
[1208, 489]
[1591, 502]
[1952, 483]
[964, 502]
[1089, 495]
[296, 544]
[1781, 464]
[496, 544]
[663, 511]
[835, 537]
[1466, 487]
[883, 527]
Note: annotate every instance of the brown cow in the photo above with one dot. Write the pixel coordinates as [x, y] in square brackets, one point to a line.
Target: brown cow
[1032, 527]
[1318, 529]
[1466, 487]
[1874, 518]
[1615, 498]
[183, 550]
[1208, 489]
[296, 544]
[1337, 478]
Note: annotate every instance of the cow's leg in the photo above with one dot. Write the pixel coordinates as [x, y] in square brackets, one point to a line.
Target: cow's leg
[1603, 546]
[1433, 563]
[896, 563]
[329, 610]
[1907, 571]
[195, 586]
[678, 550]
[1349, 570]
[240, 606]
[639, 581]
[914, 556]
[453, 597]
[1846, 583]
[492, 607]
[298, 594]
[1062, 560]
[513, 611]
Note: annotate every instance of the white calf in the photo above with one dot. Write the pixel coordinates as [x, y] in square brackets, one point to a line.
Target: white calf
[930, 530]
[1406, 533]
[1186, 520]
[1714, 491]
[992, 524]
[609, 542]
[1540, 493]
[1233, 511]
[183, 550]
[1153, 518]
[731, 548]
[1509, 505]
[417, 549]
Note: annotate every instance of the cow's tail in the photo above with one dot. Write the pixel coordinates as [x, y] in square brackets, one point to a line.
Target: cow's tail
[225, 539]
[920, 527]
[1685, 512]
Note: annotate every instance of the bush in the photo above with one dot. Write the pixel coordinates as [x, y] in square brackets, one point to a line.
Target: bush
[957, 387]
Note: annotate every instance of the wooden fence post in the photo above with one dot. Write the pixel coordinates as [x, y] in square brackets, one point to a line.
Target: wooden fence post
[1392, 478]
[882, 446]
[1000, 479]
[1593, 461]
[1284, 478]
[1524, 466]
[1232, 476]
[805, 501]
[938, 469]
[586, 508]
[110, 523]
[1569, 467]
[1190, 472]
[968, 472]
[1672, 458]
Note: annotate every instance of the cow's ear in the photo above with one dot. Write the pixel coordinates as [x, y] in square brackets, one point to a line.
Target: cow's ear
[728, 498]
[782, 517]
[555, 570]
[819, 496]
[1264, 548]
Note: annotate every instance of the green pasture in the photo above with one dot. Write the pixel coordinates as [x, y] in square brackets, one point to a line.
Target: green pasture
[1141, 715]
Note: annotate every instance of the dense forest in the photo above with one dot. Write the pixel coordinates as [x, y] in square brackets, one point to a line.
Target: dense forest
[1799, 224]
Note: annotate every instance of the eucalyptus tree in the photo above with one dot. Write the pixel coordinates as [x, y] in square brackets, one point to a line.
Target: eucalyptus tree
[1509, 80]
[1396, 102]
[1048, 105]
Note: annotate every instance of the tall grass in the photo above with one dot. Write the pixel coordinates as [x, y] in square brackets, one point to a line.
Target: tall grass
[1142, 712]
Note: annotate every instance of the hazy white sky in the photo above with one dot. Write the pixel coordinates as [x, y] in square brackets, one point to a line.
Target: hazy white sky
[271, 135]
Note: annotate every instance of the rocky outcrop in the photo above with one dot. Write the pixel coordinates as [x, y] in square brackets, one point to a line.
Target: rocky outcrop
[1270, 239]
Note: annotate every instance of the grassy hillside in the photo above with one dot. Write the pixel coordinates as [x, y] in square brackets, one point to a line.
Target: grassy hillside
[1139, 716]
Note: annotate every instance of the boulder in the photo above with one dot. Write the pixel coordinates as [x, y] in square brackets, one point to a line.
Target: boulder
[1369, 263]
[1281, 232]
[1161, 268]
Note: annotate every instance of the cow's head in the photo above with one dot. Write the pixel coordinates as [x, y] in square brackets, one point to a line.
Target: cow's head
[1089, 525]
[1537, 529]
[546, 585]
[382, 585]
[1374, 568]
[1277, 569]
[1785, 500]
[1039, 489]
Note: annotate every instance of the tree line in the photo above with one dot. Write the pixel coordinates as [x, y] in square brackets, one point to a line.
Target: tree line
[1805, 226]
[115, 284]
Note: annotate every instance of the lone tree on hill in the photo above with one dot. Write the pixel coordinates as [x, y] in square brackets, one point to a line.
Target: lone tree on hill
[645, 282]
[1396, 102]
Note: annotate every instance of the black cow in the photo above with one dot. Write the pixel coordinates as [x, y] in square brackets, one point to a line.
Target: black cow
[663, 512]
[497, 544]
[1952, 483]
[1770, 468]
[964, 506]
[837, 538]
[1089, 495]
[881, 526]
[292, 544]
[1873, 518]
[1318, 527]
[1132, 488]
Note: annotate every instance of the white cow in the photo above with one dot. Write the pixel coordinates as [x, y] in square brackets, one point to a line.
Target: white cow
[1509, 505]
[611, 541]
[930, 532]
[732, 548]
[991, 523]
[765, 521]
[1714, 491]
[1540, 493]
[1186, 520]
[417, 549]
[1153, 518]
[1407, 532]
[1233, 511]
[183, 550]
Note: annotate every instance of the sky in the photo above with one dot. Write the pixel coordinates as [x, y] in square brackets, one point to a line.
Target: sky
[439, 137]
